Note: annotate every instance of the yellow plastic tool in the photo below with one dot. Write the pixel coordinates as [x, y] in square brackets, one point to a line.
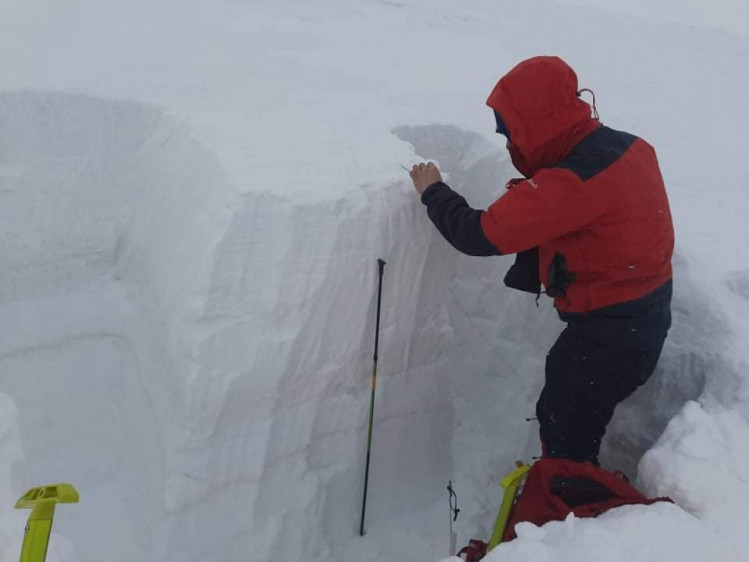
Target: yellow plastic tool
[42, 501]
[510, 483]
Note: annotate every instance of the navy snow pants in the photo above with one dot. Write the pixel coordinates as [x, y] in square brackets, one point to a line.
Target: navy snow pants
[598, 360]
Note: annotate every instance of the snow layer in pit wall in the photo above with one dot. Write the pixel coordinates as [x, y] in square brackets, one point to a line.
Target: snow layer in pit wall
[224, 364]
[11, 524]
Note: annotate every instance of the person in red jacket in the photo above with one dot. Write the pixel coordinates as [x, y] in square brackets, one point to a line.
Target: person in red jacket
[590, 222]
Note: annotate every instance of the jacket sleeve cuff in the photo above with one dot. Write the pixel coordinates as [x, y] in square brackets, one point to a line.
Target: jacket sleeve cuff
[431, 194]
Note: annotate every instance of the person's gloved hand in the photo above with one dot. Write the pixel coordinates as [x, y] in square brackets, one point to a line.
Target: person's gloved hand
[424, 175]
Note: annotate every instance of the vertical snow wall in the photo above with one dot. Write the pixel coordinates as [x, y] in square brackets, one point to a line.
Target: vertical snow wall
[196, 358]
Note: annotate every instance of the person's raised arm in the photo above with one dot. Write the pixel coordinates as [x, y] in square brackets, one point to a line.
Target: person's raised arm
[458, 223]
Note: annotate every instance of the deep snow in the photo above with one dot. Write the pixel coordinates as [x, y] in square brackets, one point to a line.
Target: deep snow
[194, 196]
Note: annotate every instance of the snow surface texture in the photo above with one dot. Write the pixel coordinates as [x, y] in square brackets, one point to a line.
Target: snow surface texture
[647, 534]
[194, 196]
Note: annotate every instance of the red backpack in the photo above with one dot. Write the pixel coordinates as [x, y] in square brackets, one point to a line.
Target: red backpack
[553, 489]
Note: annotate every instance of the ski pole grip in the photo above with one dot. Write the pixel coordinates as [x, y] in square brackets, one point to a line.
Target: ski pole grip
[381, 263]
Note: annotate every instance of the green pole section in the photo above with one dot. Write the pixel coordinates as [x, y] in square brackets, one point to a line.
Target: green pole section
[381, 266]
[42, 502]
[510, 483]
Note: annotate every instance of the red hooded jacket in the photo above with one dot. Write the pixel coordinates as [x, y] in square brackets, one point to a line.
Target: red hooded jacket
[593, 203]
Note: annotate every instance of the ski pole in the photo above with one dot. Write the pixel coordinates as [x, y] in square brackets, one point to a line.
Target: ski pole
[381, 266]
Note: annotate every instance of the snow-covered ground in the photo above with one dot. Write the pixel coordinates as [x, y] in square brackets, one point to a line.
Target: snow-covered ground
[193, 196]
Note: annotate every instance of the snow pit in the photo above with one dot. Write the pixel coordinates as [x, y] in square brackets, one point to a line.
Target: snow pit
[203, 352]
[201, 269]
[195, 357]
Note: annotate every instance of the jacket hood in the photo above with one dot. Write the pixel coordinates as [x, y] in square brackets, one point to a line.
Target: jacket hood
[538, 104]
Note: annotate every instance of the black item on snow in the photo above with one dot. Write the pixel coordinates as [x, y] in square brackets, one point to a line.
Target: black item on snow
[454, 510]
[453, 499]
[381, 269]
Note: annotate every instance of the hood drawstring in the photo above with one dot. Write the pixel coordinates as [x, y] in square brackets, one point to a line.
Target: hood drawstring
[595, 111]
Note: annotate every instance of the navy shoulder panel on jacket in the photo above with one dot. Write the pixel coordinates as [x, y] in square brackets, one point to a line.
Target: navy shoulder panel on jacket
[596, 152]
